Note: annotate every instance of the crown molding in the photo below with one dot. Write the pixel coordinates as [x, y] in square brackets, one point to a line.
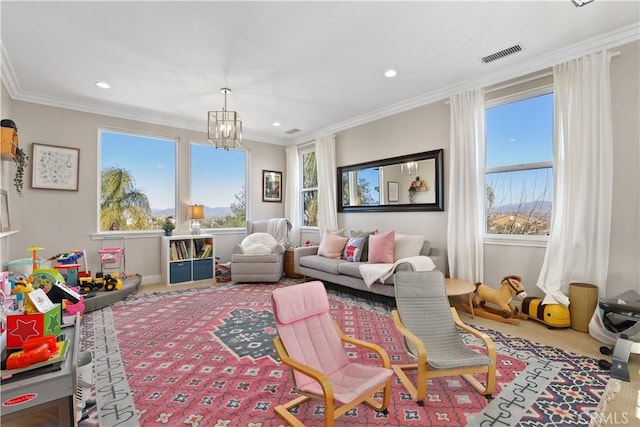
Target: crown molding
[609, 40]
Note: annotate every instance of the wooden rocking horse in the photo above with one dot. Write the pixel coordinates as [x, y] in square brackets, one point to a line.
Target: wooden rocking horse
[505, 312]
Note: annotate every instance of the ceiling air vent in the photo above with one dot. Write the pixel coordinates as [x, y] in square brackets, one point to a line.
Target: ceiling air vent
[292, 131]
[501, 54]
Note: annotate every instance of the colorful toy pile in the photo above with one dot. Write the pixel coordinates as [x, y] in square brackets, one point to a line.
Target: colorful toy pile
[38, 300]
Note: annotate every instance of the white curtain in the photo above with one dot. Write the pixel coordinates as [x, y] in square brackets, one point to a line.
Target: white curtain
[326, 164]
[292, 208]
[466, 186]
[578, 246]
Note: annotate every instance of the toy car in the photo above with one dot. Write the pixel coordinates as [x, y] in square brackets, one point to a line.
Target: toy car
[107, 282]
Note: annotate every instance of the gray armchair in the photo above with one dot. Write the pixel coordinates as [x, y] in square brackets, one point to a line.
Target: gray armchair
[263, 267]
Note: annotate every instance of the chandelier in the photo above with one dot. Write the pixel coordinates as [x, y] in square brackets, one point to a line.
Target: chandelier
[409, 168]
[225, 127]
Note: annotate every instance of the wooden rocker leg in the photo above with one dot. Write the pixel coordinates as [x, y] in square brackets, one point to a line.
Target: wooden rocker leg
[418, 394]
[487, 389]
[380, 405]
[283, 411]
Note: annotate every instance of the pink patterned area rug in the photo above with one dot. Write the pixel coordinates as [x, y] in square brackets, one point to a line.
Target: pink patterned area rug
[204, 357]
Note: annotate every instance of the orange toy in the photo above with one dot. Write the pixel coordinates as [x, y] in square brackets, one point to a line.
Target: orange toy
[28, 358]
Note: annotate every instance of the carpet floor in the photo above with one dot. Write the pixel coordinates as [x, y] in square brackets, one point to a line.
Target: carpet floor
[203, 357]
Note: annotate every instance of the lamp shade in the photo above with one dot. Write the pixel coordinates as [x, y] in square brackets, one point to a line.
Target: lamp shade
[197, 212]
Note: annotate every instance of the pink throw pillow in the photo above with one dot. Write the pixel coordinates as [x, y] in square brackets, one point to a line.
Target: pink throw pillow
[382, 248]
[332, 245]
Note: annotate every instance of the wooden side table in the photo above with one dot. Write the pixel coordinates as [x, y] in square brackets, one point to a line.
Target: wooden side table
[457, 287]
[289, 268]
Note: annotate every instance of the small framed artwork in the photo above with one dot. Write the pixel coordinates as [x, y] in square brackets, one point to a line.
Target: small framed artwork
[392, 191]
[271, 186]
[55, 168]
[4, 211]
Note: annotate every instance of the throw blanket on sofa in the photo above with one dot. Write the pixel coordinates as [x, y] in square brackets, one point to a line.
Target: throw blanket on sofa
[372, 272]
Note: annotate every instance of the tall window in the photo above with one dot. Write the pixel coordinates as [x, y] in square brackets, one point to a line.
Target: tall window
[218, 181]
[309, 192]
[519, 165]
[137, 181]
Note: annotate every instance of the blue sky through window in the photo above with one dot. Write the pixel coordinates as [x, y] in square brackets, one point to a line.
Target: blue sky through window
[151, 161]
[216, 175]
[520, 132]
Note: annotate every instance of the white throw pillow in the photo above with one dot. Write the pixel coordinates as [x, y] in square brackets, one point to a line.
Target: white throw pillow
[258, 244]
[407, 245]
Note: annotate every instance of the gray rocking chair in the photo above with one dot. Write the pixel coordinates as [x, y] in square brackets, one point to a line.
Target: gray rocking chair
[429, 326]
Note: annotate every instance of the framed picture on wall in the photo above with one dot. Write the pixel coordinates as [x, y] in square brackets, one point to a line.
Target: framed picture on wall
[271, 186]
[55, 168]
[392, 191]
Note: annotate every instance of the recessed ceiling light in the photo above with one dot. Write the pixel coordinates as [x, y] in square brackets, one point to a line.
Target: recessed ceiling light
[276, 124]
[390, 73]
[103, 85]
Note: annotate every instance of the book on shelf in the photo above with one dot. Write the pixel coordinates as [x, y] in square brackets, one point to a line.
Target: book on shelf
[206, 251]
[185, 250]
[173, 255]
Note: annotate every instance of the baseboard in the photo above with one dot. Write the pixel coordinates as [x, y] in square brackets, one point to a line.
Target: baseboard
[151, 280]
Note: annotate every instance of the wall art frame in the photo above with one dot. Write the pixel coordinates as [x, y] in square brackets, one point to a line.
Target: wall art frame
[392, 191]
[271, 186]
[55, 167]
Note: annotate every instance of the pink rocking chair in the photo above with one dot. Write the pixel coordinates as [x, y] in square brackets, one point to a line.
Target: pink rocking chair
[312, 345]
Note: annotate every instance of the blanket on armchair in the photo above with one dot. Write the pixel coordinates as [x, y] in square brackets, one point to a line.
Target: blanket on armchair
[279, 228]
[372, 272]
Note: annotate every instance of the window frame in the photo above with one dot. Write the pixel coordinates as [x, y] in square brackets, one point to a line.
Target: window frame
[518, 239]
[311, 148]
[141, 134]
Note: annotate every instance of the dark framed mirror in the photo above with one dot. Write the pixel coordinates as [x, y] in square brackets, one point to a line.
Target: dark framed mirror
[406, 183]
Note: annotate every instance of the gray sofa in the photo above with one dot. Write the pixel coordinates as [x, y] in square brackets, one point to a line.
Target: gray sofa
[345, 273]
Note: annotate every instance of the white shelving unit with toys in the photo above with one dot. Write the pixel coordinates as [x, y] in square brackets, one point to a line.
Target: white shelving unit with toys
[188, 258]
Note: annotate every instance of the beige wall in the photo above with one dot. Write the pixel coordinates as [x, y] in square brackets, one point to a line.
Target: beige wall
[7, 168]
[624, 260]
[62, 221]
[427, 128]
[422, 129]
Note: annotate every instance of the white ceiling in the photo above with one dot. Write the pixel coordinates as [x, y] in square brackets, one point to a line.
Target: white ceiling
[314, 66]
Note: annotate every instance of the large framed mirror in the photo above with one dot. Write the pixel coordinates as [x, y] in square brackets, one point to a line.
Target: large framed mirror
[406, 183]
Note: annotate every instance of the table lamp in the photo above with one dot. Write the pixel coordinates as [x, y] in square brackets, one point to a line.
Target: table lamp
[197, 213]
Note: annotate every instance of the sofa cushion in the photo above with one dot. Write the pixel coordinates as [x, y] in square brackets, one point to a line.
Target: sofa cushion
[365, 248]
[350, 269]
[353, 249]
[332, 245]
[382, 248]
[317, 262]
[407, 245]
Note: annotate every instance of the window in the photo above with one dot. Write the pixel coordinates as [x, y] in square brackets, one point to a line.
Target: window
[309, 192]
[361, 187]
[218, 181]
[137, 181]
[519, 165]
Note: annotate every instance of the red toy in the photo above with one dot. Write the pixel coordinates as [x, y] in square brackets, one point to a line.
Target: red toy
[28, 358]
